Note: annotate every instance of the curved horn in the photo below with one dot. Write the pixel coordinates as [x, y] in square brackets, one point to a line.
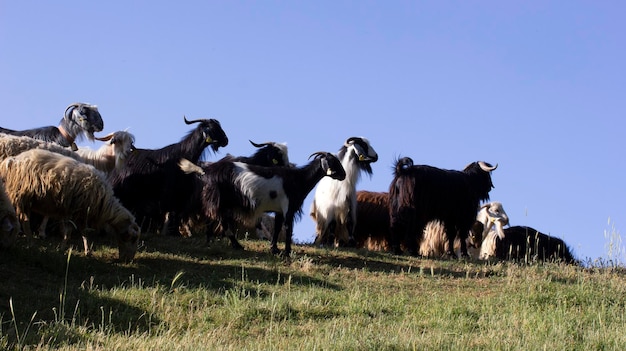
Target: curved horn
[259, 145]
[70, 108]
[105, 138]
[350, 139]
[191, 122]
[487, 167]
[318, 154]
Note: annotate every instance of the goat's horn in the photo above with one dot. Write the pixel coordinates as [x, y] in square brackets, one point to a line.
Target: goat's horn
[191, 122]
[106, 137]
[347, 143]
[317, 154]
[487, 167]
[258, 145]
[71, 107]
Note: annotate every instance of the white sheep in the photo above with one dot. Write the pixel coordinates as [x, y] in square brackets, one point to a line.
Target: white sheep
[50, 184]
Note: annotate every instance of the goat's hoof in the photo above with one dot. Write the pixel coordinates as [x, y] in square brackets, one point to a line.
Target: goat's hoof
[275, 251]
[451, 254]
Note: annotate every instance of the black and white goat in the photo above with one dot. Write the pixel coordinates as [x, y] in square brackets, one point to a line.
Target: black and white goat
[239, 192]
[150, 184]
[268, 154]
[79, 120]
[419, 194]
[334, 205]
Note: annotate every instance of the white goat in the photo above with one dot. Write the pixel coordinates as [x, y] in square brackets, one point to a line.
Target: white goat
[112, 154]
[334, 204]
[50, 184]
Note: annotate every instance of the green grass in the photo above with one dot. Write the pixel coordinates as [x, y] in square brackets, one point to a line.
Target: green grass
[181, 295]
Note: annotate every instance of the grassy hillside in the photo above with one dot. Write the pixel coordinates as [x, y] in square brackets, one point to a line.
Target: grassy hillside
[181, 295]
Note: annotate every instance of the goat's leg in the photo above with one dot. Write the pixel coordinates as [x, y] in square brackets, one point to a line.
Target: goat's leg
[42, 227]
[279, 219]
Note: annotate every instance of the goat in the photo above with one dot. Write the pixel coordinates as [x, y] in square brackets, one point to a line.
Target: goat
[50, 184]
[239, 192]
[9, 225]
[79, 120]
[334, 205]
[113, 154]
[372, 220]
[151, 185]
[434, 242]
[268, 154]
[419, 194]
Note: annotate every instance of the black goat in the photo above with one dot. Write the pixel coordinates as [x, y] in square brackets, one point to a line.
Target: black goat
[420, 194]
[79, 120]
[526, 243]
[239, 192]
[150, 184]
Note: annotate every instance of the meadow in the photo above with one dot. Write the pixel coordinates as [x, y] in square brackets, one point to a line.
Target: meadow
[180, 294]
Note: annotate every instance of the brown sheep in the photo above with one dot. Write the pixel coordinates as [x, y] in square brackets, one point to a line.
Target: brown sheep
[50, 184]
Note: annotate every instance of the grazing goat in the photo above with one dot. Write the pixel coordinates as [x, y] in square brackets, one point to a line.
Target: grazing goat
[334, 205]
[435, 243]
[9, 225]
[419, 194]
[50, 184]
[372, 220]
[112, 154]
[151, 185]
[79, 120]
[268, 154]
[239, 192]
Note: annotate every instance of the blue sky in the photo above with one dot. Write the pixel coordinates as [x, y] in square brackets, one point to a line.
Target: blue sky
[537, 87]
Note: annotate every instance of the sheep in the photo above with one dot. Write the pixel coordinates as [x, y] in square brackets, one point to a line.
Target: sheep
[239, 192]
[419, 194]
[13, 145]
[334, 205]
[9, 225]
[50, 184]
[151, 185]
[372, 221]
[80, 120]
[112, 154]
[434, 241]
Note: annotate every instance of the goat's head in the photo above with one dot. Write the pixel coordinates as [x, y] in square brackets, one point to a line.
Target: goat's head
[122, 144]
[271, 154]
[330, 164]
[9, 228]
[212, 132]
[84, 117]
[480, 171]
[363, 152]
[492, 214]
[403, 164]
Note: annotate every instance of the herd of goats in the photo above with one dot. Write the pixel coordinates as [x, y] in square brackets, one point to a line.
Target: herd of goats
[120, 190]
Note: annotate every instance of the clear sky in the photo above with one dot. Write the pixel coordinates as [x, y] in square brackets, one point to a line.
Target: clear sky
[537, 87]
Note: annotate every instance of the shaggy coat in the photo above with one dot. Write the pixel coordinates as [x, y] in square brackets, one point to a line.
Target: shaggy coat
[12, 145]
[80, 120]
[372, 220]
[151, 183]
[50, 184]
[9, 225]
[334, 207]
[419, 194]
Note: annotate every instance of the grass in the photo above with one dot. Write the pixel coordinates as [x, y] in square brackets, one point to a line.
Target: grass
[181, 295]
